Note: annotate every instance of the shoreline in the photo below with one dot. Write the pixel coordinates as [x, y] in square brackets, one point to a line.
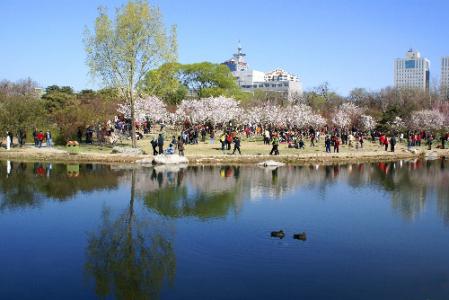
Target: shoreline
[60, 156]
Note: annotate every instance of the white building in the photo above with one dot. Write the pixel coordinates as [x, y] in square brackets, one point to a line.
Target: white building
[445, 77]
[249, 80]
[412, 72]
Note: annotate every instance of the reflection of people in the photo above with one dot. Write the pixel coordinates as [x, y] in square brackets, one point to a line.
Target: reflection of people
[8, 168]
[49, 168]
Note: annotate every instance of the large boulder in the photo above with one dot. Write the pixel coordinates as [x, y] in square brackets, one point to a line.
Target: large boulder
[127, 150]
[173, 159]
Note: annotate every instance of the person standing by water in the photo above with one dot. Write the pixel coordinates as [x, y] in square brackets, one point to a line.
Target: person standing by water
[223, 141]
[154, 145]
[236, 145]
[160, 143]
[79, 134]
[48, 138]
[180, 146]
[327, 143]
[36, 141]
[275, 143]
[385, 142]
[429, 141]
[392, 142]
[8, 141]
[40, 138]
[212, 137]
[22, 137]
[336, 144]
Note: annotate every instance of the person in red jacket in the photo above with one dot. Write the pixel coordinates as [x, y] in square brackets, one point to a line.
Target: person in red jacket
[385, 142]
[40, 138]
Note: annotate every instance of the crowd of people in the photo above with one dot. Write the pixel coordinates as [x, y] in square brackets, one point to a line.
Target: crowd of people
[39, 138]
[333, 138]
[230, 137]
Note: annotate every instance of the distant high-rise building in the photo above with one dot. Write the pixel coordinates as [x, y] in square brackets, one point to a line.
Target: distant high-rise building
[412, 72]
[445, 77]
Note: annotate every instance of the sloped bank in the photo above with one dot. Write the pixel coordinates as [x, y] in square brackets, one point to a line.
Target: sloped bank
[55, 155]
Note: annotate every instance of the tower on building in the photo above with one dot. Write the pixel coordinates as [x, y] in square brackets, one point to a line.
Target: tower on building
[238, 61]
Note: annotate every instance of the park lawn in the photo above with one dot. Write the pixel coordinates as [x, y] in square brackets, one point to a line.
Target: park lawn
[258, 148]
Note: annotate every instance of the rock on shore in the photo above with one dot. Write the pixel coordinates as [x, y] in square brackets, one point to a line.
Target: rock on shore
[127, 150]
[173, 159]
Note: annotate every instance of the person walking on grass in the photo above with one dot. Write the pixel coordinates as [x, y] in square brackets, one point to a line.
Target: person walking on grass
[327, 143]
[212, 137]
[392, 143]
[429, 141]
[180, 146]
[275, 143]
[236, 145]
[223, 141]
[336, 144]
[154, 145]
[160, 143]
[385, 142]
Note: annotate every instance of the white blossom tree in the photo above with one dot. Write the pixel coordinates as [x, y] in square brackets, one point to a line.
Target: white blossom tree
[150, 107]
[367, 122]
[427, 120]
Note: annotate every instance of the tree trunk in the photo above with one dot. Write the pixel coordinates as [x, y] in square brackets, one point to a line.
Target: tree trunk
[133, 119]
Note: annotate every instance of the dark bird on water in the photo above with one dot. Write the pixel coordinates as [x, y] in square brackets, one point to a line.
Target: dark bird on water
[278, 234]
[300, 236]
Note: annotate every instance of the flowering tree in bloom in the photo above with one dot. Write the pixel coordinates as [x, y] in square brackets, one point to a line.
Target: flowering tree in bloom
[299, 115]
[349, 114]
[427, 120]
[341, 119]
[367, 122]
[150, 107]
[217, 110]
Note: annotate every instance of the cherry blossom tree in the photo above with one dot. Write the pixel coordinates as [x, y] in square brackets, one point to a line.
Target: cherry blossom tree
[427, 120]
[367, 122]
[216, 110]
[150, 107]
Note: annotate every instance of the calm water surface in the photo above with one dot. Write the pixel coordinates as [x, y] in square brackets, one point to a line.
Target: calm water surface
[374, 231]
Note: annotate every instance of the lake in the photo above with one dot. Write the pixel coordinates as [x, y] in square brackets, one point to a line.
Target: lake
[373, 231]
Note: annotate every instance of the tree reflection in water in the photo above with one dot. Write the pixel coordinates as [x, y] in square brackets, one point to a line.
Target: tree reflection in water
[130, 256]
[28, 184]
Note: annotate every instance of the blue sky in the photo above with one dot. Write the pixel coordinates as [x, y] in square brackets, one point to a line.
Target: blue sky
[346, 43]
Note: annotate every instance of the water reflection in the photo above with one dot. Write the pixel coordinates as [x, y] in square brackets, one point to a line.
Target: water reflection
[130, 250]
[215, 191]
[130, 256]
[27, 184]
